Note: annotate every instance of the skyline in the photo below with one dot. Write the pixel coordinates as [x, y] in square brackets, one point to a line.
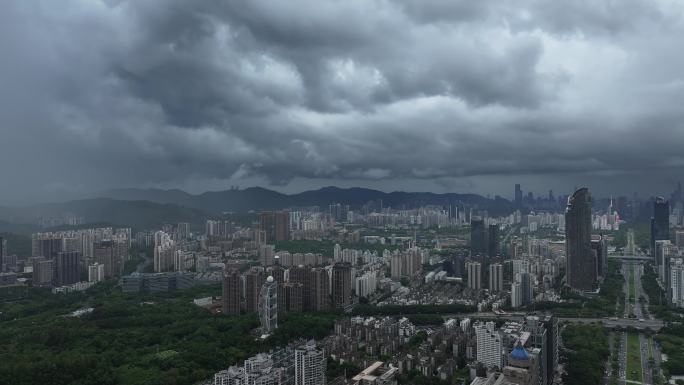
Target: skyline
[443, 97]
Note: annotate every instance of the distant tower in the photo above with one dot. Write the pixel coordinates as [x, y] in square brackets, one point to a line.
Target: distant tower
[268, 305]
[518, 195]
[580, 259]
[478, 238]
[660, 222]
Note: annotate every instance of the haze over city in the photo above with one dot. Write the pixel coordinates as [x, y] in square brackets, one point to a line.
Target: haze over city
[341, 192]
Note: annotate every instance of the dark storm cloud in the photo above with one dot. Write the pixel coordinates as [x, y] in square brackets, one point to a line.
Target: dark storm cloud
[122, 93]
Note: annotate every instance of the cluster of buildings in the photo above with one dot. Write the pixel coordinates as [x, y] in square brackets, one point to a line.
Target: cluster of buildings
[62, 258]
[301, 365]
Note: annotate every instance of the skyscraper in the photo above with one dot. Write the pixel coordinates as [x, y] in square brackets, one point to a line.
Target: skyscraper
[310, 365]
[489, 345]
[518, 195]
[478, 237]
[105, 253]
[493, 247]
[600, 247]
[268, 306]
[580, 259]
[275, 225]
[254, 279]
[495, 278]
[302, 275]
[230, 300]
[660, 222]
[341, 284]
[320, 290]
[67, 268]
[474, 275]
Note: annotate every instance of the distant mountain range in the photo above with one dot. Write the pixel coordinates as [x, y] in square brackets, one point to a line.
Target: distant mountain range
[257, 198]
[150, 208]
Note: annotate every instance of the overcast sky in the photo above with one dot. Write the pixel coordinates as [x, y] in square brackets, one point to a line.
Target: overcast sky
[424, 95]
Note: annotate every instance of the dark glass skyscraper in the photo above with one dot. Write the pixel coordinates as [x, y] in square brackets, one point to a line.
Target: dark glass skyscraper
[581, 260]
[660, 222]
[493, 241]
[518, 195]
[478, 237]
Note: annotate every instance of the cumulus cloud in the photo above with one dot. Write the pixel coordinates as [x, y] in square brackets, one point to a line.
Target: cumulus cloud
[418, 94]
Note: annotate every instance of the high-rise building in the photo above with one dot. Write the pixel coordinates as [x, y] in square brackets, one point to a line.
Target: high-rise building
[630, 249]
[516, 295]
[493, 241]
[320, 290]
[43, 271]
[230, 299]
[183, 231]
[96, 272]
[580, 271]
[310, 365]
[679, 239]
[544, 336]
[254, 279]
[105, 252]
[489, 345]
[164, 252]
[518, 195]
[275, 225]
[478, 237]
[660, 222]
[676, 282]
[268, 306]
[341, 284]
[495, 278]
[267, 255]
[302, 274]
[67, 268]
[526, 287]
[474, 275]
[600, 247]
[290, 297]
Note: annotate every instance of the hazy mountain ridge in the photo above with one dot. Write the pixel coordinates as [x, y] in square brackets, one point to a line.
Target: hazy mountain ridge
[258, 198]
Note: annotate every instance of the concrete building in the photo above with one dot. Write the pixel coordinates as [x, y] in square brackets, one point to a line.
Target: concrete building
[310, 365]
[660, 222]
[489, 345]
[96, 272]
[474, 270]
[341, 284]
[230, 296]
[495, 278]
[67, 268]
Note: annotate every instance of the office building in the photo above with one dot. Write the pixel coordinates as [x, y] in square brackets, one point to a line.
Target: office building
[518, 196]
[526, 287]
[67, 268]
[489, 345]
[310, 365]
[599, 244]
[268, 306]
[474, 270]
[580, 269]
[660, 222]
[105, 254]
[230, 296]
[493, 241]
[478, 238]
[544, 336]
[341, 284]
[495, 278]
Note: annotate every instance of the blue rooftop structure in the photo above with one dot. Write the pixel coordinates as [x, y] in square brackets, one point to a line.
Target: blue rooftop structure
[519, 352]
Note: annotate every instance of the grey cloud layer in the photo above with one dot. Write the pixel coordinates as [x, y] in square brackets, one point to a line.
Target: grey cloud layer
[125, 93]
